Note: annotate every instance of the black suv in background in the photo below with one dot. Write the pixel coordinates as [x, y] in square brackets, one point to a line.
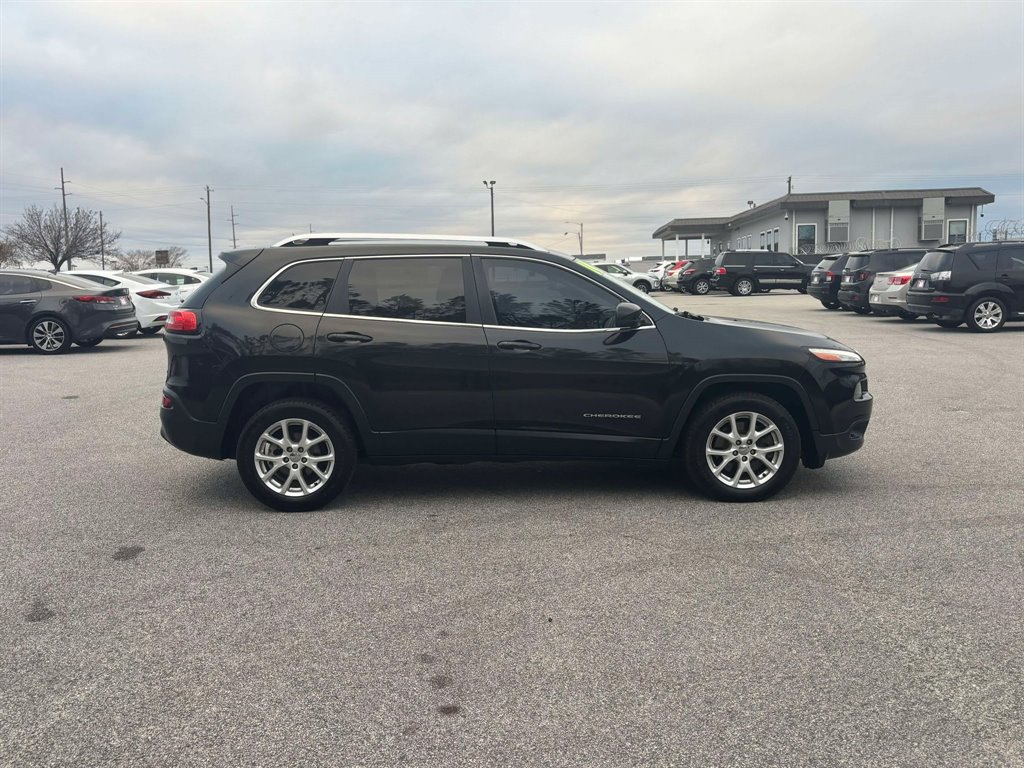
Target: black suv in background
[695, 276]
[824, 282]
[861, 268]
[980, 284]
[299, 361]
[50, 312]
[745, 272]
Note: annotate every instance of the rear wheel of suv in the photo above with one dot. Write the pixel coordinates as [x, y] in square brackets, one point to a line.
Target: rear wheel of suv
[49, 336]
[948, 323]
[861, 310]
[742, 447]
[641, 285]
[744, 287]
[902, 314]
[296, 455]
[986, 315]
[701, 286]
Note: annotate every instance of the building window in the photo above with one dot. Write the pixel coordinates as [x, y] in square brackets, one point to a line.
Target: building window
[762, 241]
[775, 239]
[957, 232]
[806, 238]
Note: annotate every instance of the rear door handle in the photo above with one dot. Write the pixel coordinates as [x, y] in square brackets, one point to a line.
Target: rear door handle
[28, 301]
[349, 337]
[518, 345]
[1004, 277]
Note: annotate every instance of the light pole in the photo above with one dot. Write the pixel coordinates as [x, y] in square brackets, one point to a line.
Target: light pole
[579, 234]
[209, 231]
[490, 186]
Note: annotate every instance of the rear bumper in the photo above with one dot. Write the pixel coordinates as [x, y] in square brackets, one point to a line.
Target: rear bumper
[854, 296]
[943, 306]
[200, 438]
[822, 291]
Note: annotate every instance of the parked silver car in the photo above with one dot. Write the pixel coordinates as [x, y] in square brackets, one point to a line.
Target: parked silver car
[639, 280]
[888, 294]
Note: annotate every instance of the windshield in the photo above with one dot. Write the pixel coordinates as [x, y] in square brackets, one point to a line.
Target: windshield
[936, 261]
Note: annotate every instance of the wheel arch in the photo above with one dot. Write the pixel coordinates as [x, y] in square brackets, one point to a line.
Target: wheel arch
[787, 392]
[42, 316]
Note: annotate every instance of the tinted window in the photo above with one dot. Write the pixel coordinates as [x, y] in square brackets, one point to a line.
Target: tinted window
[1011, 258]
[935, 261]
[408, 289]
[902, 259]
[15, 284]
[41, 285]
[827, 262]
[304, 287]
[533, 295]
[857, 263]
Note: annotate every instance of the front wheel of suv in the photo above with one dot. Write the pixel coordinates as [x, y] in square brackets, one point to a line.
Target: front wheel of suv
[296, 455]
[744, 287]
[986, 315]
[742, 447]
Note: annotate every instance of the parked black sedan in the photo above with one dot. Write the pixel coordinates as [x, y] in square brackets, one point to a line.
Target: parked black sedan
[49, 312]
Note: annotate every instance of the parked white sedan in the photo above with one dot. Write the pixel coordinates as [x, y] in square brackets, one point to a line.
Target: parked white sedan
[888, 293]
[153, 300]
[186, 280]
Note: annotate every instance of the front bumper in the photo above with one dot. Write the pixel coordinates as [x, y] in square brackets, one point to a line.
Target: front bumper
[855, 416]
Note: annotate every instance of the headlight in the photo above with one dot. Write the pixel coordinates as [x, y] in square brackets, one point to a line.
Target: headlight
[944, 275]
[836, 355]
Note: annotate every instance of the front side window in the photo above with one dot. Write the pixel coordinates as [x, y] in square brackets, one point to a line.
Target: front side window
[429, 289]
[302, 288]
[528, 294]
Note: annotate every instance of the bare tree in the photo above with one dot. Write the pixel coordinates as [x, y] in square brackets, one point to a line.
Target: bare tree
[9, 256]
[41, 235]
[137, 258]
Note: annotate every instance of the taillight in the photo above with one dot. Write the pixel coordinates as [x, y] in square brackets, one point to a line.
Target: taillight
[830, 276]
[899, 279]
[95, 299]
[182, 321]
[153, 293]
[862, 276]
[166, 402]
[719, 270]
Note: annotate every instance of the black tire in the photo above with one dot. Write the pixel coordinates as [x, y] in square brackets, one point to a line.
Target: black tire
[764, 290]
[744, 286]
[152, 331]
[700, 287]
[803, 288]
[699, 438]
[642, 285]
[948, 323]
[324, 419]
[49, 335]
[830, 304]
[986, 315]
[862, 310]
[902, 314]
[89, 342]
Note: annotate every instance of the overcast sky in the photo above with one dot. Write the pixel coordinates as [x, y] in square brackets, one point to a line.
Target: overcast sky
[387, 117]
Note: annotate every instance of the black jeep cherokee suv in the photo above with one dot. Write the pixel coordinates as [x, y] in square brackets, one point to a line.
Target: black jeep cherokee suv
[980, 284]
[300, 361]
[745, 272]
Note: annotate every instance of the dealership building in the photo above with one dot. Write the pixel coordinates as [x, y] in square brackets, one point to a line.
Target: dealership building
[825, 222]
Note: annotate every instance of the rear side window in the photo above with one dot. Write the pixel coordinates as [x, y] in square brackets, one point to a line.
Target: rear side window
[303, 287]
[1011, 259]
[983, 261]
[430, 289]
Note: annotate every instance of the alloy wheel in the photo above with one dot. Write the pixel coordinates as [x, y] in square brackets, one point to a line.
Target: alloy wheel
[988, 315]
[744, 287]
[701, 287]
[48, 335]
[294, 458]
[744, 450]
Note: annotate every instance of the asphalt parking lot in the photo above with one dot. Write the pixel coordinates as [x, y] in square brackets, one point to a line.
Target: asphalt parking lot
[532, 614]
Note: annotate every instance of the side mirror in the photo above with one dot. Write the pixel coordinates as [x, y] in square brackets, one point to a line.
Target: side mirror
[628, 315]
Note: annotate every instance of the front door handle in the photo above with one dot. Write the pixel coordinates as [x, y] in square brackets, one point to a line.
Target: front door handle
[28, 301]
[518, 345]
[1003, 277]
[349, 337]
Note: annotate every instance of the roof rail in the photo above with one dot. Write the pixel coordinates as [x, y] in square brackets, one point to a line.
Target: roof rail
[334, 238]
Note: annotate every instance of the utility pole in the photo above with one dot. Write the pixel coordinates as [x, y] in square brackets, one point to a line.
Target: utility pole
[64, 202]
[234, 243]
[789, 185]
[103, 257]
[580, 225]
[209, 231]
[490, 186]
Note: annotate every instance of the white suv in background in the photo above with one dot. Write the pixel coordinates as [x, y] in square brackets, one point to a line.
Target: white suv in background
[640, 280]
[187, 280]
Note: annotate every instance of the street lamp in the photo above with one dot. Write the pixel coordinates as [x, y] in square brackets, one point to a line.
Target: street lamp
[490, 186]
[579, 234]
